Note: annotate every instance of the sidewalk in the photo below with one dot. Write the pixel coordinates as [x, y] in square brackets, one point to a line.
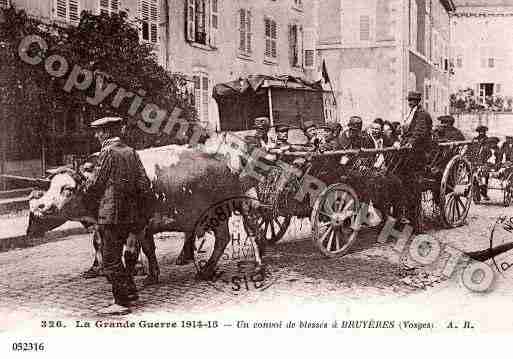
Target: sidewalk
[13, 228]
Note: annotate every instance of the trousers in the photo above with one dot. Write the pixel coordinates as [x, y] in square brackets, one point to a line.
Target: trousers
[114, 237]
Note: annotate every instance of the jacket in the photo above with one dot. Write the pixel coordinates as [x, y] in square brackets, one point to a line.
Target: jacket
[120, 184]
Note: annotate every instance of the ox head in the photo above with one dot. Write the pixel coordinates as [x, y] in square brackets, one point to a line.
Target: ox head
[62, 201]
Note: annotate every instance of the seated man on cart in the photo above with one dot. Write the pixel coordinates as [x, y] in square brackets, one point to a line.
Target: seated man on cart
[446, 132]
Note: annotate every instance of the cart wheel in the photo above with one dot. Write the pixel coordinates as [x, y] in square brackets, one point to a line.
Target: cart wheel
[508, 190]
[456, 190]
[334, 219]
[273, 226]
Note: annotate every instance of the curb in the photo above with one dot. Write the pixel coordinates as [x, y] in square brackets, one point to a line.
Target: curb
[21, 241]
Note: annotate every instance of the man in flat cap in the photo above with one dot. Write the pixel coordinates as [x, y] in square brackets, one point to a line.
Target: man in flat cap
[121, 187]
[483, 156]
[416, 135]
[353, 138]
[446, 132]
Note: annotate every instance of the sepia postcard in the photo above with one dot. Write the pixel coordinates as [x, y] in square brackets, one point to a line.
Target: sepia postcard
[245, 171]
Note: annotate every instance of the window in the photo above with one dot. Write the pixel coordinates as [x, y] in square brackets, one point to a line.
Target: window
[245, 31]
[149, 12]
[201, 96]
[497, 88]
[309, 48]
[108, 7]
[296, 45]
[271, 36]
[202, 18]
[491, 62]
[5, 3]
[364, 28]
[67, 10]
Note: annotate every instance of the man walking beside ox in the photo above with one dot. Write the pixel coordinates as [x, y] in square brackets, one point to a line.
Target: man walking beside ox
[120, 188]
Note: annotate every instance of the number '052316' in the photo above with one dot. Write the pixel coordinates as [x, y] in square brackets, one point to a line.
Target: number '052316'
[28, 347]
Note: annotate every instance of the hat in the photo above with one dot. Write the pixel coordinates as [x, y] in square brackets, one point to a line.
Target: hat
[261, 122]
[107, 122]
[281, 128]
[481, 129]
[308, 125]
[355, 122]
[413, 95]
[446, 119]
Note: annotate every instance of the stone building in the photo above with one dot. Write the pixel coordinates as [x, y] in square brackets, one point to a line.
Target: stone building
[483, 49]
[377, 50]
[209, 41]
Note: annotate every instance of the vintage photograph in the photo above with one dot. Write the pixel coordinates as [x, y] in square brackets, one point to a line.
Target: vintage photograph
[292, 166]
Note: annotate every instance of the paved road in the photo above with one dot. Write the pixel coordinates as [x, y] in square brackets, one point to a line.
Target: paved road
[45, 280]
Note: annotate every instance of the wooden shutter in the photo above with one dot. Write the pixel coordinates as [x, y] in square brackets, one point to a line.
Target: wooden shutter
[309, 48]
[364, 28]
[61, 9]
[274, 37]
[154, 21]
[205, 98]
[242, 30]
[300, 46]
[109, 6]
[74, 14]
[190, 16]
[214, 22]
[267, 25]
[4, 3]
[291, 44]
[248, 31]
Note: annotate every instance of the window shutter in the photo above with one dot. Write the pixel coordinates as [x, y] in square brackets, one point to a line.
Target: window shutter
[300, 46]
[364, 28]
[274, 35]
[62, 9]
[267, 37]
[242, 30]
[214, 23]
[205, 97]
[309, 48]
[74, 15]
[248, 31]
[190, 17]
[4, 3]
[104, 7]
[197, 95]
[154, 21]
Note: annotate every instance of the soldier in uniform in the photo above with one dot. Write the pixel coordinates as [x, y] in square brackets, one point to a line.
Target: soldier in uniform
[417, 136]
[282, 135]
[120, 185]
[446, 131]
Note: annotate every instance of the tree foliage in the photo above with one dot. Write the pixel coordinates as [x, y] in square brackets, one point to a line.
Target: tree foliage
[106, 45]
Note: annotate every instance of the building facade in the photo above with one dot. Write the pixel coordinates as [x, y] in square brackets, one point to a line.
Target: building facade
[209, 41]
[483, 57]
[377, 50]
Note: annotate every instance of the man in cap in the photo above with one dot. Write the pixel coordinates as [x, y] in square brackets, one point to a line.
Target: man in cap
[282, 135]
[446, 131]
[506, 153]
[375, 133]
[417, 129]
[483, 157]
[260, 139]
[120, 185]
[353, 138]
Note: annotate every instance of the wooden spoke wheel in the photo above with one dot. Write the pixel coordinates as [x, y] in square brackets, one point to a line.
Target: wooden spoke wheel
[456, 190]
[272, 226]
[508, 190]
[334, 220]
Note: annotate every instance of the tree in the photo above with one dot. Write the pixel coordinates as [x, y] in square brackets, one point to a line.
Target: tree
[109, 47]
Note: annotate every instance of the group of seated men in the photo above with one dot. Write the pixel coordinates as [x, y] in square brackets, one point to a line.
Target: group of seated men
[331, 137]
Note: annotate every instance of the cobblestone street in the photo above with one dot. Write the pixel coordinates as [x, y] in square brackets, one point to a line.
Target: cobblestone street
[45, 280]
